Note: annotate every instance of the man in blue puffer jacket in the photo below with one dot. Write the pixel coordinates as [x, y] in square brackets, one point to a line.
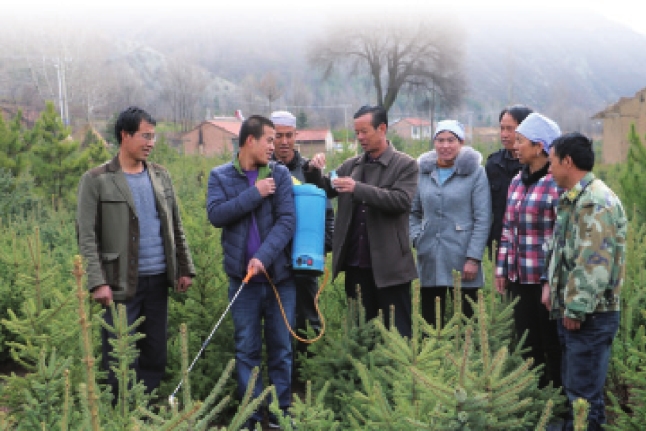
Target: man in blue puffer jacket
[252, 201]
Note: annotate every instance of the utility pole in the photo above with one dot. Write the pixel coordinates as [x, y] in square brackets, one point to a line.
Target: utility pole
[62, 91]
[66, 118]
[345, 121]
[57, 65]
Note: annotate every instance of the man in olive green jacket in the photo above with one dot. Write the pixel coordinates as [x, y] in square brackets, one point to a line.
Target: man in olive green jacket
[131, 236]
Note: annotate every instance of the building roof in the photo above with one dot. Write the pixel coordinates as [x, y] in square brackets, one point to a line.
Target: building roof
[610, 110]
[614, 109]
[230, 125]
[310, 135]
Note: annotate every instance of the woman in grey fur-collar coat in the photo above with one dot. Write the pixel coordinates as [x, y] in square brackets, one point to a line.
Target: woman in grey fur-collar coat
[450, 219]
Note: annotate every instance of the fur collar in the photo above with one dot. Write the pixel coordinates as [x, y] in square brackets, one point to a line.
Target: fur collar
[466, 163]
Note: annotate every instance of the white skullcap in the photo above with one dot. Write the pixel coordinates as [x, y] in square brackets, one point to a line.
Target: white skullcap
[283, 118]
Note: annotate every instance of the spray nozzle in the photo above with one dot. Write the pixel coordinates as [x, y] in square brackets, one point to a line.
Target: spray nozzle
[247, 277]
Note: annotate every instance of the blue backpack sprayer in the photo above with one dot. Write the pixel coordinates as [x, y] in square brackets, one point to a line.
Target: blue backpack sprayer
[308, 255]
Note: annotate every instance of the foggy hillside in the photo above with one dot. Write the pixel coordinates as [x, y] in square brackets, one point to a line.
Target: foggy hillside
[568, 65]
[570, 62]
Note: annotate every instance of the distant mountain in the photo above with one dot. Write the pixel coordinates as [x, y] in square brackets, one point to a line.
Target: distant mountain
[566, 63]
[557, 62]
[569, 64]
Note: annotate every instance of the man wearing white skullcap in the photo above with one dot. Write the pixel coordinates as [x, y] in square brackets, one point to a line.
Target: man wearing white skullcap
[306, 284]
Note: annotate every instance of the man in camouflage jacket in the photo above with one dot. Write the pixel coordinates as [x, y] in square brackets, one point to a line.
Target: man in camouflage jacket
[586, 267]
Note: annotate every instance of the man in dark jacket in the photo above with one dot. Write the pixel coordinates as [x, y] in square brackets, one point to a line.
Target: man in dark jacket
[306, 283]
[252, 201]
[375, 191]
[502, 166]
[131, 236]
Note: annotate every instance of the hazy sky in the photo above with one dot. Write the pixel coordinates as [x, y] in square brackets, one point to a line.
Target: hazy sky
[623, 11]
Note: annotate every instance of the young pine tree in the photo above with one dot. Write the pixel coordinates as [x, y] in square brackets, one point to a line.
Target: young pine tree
[633, 178]
[12, 145]
[56, 162]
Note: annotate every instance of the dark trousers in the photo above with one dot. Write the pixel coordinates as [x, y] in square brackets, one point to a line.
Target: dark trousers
[542, 335]
[374, 299]
[306, 290]
[586, 354]
[429, 295]
[151, 302]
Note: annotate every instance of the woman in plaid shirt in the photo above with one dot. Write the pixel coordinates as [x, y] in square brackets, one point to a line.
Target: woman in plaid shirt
[528, 223]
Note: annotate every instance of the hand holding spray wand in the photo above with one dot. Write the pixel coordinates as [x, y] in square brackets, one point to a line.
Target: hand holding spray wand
[171, 398]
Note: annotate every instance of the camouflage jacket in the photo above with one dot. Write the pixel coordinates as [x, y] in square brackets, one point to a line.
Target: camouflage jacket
[586, 255]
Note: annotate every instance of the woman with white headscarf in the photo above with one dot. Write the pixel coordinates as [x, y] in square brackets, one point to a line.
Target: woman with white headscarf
[450, 219]
[529, 219]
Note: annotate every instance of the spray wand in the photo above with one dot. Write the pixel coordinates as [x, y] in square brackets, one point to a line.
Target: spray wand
[171, 398]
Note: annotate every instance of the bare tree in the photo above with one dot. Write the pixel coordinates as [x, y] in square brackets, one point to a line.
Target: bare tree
[91, 79]
[247, 93]
[65, 64]
[301, 94]
[184, 86]
[269, 88]
[396, 55]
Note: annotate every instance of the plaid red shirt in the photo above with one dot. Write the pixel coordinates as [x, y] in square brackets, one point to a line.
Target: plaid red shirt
[528, 223]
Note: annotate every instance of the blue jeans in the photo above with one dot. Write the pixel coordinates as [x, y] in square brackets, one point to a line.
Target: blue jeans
[586, 354]
[255, 303]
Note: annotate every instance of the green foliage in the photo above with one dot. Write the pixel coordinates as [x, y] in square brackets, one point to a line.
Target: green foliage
[396, 141]
[625, 379]
[13, 149]
[95, 152]
[28, 253]
[633, 178]
[310, 413]
[46, 401]
[301, 120]
[43, 394]
[55, 159]
[108, 133]
[42, 318]
[445, 379]
[630, 412]
[164, 154]
[44, 161]
[343, 135]
[335, 159]
[361, 375]
[124, 352]
[333, 359]
[17, 195]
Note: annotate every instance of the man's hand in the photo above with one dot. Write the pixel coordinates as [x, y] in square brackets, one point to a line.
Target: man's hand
[501, 285]
[102, 295]
[344, 184]
[266, 187]
[571, 324]
[255, 267]
[545, 297]
[317, 162]
[183, 284]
